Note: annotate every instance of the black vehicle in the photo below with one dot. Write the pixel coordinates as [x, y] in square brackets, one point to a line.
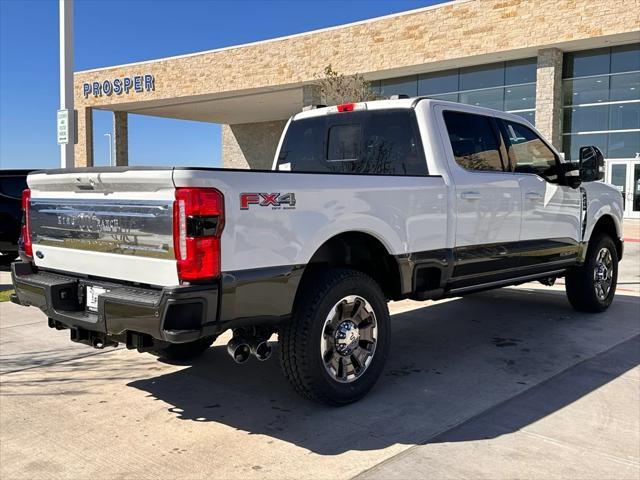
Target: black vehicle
[12, 183]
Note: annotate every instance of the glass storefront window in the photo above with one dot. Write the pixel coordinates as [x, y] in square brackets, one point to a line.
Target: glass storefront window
[520, 97]
[449, 97]
[571, 144]
[483, 76]
[619, 179]
[490, 98]
[399, 86]
[625, 58]
[586, 90]
[624, 145]
[586, 119]
[590, 62]
[520, 71]
[625, 87]
[529, 116]
[440, 82]
[624, 116]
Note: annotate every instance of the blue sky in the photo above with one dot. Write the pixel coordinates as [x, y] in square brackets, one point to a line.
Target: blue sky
[116, 32]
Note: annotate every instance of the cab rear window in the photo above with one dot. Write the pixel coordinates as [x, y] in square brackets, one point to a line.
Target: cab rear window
[379, 142]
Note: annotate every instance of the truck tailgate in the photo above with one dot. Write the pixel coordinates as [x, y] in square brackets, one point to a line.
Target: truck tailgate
[110, 223]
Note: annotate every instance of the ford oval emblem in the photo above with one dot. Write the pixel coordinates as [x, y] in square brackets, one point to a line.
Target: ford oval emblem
[39, 254]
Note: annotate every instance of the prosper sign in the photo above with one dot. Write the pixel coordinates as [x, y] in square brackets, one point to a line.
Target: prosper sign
[118, 86]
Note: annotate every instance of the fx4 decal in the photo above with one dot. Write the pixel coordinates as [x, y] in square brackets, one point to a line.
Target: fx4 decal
[274, 200]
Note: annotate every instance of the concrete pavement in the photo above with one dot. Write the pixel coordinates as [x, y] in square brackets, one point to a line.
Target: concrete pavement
[503, 384]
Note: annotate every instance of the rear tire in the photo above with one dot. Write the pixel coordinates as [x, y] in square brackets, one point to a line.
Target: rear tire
[184, 351]
[334, 348]
[592, 286]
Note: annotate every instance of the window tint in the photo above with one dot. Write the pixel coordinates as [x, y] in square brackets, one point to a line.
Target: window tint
[13, 186]
[392, 145]
[344, 143]
[528, 153]
[383, 142]
[473, 140]
[303, 147]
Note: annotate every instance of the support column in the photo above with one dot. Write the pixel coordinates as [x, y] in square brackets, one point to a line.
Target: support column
[311, 95]
[83, 152]
[549, 95]
[121, 138]
[251, 145]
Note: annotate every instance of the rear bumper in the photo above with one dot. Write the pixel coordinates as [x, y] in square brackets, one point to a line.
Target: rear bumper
[134, 315]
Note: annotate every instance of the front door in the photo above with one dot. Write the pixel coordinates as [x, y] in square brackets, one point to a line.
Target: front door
[551, 214]
[488, 203]
[625, 176]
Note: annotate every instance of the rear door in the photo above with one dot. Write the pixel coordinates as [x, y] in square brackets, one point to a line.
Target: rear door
[551, 214]
[488, 202]
[111, 224]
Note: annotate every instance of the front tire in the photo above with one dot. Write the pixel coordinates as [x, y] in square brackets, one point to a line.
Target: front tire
[184, 351]
[334, 348]
[592, 286]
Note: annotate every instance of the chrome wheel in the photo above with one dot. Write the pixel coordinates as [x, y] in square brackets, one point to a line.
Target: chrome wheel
[349, 338]
[603, 274]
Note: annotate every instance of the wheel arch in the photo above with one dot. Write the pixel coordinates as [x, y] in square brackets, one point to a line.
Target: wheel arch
[607, 224]
[360, 251]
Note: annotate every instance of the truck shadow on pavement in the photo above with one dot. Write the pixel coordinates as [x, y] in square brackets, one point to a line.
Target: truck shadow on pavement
[449, 363]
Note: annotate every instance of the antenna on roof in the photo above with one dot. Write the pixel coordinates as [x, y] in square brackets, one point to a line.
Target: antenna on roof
[398, 97]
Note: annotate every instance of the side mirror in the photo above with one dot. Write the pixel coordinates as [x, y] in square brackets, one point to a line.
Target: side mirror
[591, 164]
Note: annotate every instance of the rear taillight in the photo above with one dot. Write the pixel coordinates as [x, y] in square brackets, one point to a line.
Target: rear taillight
[198, 220]
[25, 230]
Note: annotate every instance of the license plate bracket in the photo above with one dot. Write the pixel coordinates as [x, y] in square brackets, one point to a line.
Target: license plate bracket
[92, 294]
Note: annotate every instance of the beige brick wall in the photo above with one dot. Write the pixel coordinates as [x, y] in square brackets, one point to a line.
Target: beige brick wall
[251, 145]
[449, 32]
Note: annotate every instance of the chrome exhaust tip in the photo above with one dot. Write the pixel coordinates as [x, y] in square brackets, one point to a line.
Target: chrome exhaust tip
[239, 350]
[262, 350]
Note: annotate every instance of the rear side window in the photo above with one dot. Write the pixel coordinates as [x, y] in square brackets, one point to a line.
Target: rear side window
[383, 142]
[473, 141]
[528, 153]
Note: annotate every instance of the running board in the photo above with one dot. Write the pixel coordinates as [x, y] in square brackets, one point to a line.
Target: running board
[505, 282]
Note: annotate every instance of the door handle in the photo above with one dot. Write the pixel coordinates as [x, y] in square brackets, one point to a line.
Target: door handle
[470, 195]
[535, 196]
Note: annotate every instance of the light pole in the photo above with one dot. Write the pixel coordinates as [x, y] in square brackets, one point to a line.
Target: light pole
[110, 149]
[66, 114]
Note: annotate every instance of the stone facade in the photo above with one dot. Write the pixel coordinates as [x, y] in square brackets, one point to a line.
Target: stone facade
[121, 138]
[251, 145]
[83, 150]
[549, 95]
[465, 32]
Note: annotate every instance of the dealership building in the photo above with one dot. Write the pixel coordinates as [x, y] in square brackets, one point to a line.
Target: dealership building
[571, 67]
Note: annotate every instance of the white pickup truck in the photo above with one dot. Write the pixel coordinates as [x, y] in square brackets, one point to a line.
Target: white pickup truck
[366, 202]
